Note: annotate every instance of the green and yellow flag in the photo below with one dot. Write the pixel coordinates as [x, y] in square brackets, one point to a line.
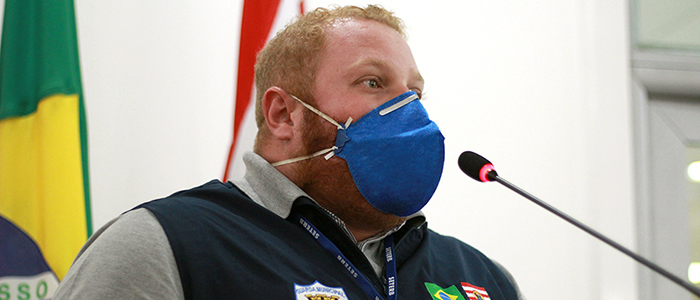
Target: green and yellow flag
[44, 188]
[439, 293]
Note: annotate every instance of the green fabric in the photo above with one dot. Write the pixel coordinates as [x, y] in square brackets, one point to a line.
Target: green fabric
[39, 54]
[439, 293]
[39, 58]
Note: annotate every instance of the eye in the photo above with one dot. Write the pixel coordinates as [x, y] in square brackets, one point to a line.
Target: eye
[372, 83]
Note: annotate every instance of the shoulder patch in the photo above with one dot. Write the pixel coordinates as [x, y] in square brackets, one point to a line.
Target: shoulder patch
[318, 291]
[439, 293]
[475, 292]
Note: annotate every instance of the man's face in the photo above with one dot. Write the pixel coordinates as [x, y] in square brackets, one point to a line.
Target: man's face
[363, 65]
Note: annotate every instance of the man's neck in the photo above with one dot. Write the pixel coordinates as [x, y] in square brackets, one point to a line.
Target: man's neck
[361, 234]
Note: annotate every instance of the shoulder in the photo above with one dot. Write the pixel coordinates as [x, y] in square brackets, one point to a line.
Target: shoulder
[213, 195]
[209, 208]
[444, 244]
[449, 249]
[452, 249]
[126, 258]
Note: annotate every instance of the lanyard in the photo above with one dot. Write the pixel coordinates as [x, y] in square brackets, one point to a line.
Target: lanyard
[361, 280]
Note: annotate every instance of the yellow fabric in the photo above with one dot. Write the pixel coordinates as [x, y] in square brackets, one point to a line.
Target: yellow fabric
[41, 182]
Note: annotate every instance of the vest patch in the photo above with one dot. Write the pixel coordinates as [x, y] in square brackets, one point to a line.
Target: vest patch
[475, 292]
[318, 291]
[439, 293]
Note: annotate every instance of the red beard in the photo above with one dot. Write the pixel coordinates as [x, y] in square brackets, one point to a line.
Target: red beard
[330, 183]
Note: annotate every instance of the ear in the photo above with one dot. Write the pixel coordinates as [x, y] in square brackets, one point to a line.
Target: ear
[281, 113]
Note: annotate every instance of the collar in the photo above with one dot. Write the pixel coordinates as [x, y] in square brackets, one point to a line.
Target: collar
[269, 188]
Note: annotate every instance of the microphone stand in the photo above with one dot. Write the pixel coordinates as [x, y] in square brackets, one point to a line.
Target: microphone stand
[491, 175]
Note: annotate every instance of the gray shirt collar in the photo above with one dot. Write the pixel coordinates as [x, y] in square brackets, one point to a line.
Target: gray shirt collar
[267, 186]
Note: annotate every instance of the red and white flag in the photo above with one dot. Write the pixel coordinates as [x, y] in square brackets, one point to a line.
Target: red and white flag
[475, 292]
[261, 20]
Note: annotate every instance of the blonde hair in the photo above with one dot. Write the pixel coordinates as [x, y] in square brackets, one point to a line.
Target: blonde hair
[290, 60]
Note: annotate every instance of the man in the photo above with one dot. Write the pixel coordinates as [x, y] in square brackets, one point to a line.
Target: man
[344, 159]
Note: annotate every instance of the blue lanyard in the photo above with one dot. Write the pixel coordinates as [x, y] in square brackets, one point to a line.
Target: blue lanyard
[361, 280]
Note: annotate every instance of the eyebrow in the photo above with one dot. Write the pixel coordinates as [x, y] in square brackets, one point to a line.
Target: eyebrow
[368, 62]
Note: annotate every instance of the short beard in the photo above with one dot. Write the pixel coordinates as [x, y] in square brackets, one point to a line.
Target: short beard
[330, 183]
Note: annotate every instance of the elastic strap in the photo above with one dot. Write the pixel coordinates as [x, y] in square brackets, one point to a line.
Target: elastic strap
[318, 112]
[329, 153]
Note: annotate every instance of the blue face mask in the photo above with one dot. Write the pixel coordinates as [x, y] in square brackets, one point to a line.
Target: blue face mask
[395, 154]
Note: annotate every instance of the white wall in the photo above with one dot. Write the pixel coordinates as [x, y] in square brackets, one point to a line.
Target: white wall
[541, 88]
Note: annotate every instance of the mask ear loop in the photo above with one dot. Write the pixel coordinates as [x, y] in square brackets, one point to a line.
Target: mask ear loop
[318, 112]
[296, 159]
[328, 152]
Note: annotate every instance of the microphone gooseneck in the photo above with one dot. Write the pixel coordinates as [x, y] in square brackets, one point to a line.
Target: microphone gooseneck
[479, 168]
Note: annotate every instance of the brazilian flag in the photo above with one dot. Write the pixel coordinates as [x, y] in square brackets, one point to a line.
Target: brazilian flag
[439, 293]
[44, 187]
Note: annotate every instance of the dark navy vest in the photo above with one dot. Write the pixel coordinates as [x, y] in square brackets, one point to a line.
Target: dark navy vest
[228, 247]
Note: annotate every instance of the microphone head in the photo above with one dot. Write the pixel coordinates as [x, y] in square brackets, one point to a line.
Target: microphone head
[476, 166]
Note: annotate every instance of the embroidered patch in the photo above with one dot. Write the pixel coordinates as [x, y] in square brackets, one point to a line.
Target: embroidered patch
[438, 293]
[318, 291]
[475, 292]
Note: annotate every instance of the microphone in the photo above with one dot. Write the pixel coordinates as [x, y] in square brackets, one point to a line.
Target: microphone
[477, 167]
[480, 169]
